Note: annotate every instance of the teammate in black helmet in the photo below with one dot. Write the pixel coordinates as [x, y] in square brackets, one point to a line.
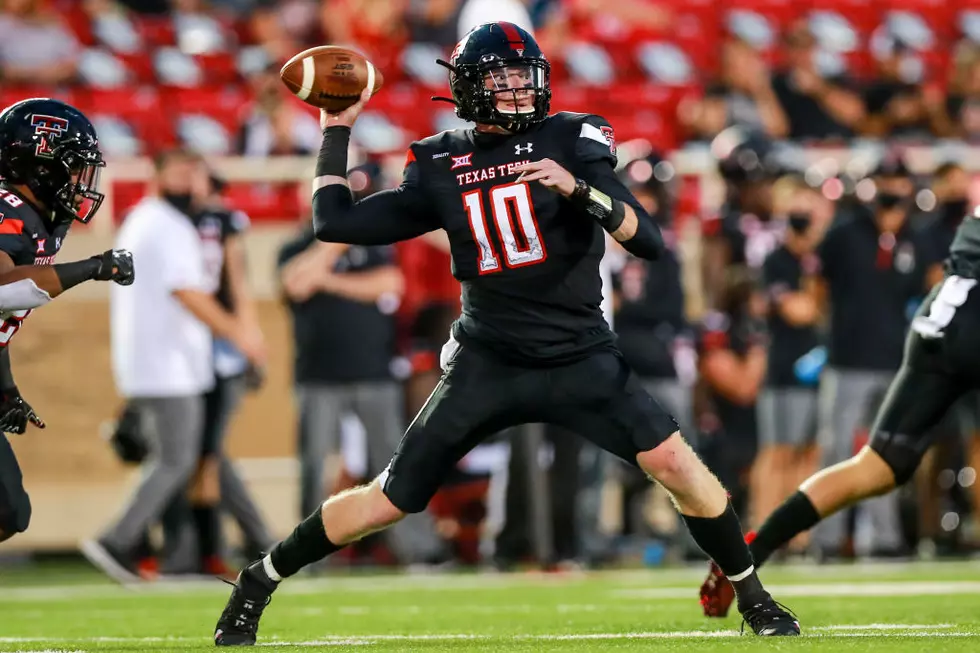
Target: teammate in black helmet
[526, 199]
[940, 365]
[49, 171]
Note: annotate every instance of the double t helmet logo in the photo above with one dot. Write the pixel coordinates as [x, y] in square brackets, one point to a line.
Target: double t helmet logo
[48, 128]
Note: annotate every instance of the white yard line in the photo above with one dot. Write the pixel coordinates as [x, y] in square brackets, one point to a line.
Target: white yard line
[866, 630]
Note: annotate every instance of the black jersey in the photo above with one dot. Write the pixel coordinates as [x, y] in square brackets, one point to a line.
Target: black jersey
[527, 258]
[216, 226]
[28, 239]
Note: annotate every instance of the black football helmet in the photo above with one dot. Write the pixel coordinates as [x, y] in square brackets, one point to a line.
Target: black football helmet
[51, 148]
[498, 76]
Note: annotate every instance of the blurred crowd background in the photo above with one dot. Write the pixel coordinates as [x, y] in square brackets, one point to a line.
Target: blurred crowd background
[808, 162]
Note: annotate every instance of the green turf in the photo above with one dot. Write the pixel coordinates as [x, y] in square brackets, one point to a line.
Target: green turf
[920, 608]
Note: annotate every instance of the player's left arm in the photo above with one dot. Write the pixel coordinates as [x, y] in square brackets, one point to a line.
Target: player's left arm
[595, 188]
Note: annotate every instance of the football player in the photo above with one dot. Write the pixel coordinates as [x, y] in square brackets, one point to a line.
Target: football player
[49, 166]
[525, 199]
[940, 365]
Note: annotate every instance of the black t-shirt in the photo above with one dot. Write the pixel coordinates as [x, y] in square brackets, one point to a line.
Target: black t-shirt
[526, 257]
[650, 315]
[217, 225]
[339, 340]
[880, 94]
[872, 279]
[719, 332]
[28, 239]
[750, 239]
[783, 273]
[808, 120]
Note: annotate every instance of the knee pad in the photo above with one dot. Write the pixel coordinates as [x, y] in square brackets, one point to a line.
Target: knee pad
[902, 457]
[15, 514]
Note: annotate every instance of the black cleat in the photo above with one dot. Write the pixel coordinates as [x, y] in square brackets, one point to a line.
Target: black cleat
[770, 619]
[240, 620]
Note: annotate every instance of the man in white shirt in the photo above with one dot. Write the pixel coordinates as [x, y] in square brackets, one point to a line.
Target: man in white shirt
[162, 347]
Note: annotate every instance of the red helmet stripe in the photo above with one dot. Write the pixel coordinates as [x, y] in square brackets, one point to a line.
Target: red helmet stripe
[513, 35]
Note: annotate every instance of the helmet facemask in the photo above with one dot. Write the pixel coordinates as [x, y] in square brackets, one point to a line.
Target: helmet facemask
[509, 93]
[79, 195]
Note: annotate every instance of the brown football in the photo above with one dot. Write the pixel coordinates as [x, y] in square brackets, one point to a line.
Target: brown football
[330, 77]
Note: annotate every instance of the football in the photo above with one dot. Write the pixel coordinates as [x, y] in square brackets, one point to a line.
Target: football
[330, 77]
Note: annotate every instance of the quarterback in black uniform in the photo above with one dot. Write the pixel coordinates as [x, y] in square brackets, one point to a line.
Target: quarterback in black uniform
[941, 364]
[49, 171]
[524, 198]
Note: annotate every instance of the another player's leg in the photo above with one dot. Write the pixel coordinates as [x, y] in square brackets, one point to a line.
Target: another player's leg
[470, 402]
[916, 401]
[607, 404]
[15, 505]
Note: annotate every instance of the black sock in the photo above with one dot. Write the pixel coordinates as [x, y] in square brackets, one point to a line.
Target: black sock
[208, 525]
[721, 538]
[307, 544]
[796, 515]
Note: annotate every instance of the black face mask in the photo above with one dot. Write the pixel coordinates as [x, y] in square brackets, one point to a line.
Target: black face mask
[954, 210]
[180, 201]
[888, 201]
[799, 222]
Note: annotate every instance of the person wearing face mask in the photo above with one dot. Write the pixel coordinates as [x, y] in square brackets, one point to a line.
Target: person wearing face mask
[162, 333]
[787, 406]
[871, 270]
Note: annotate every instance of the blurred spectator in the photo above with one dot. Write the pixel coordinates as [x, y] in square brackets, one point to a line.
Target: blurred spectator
[285, 27]
[788, 404]
[36, 47]
[477, 12]
[895, 101]
[378, 27]
[732, 362]
[343, 299]
[957, 115]
[435, 21]
[818, 106]
[742, 96]
[198, 31]
[951, 188]
[162, 331]
[741, 232]
[871, 270]
[274, 123]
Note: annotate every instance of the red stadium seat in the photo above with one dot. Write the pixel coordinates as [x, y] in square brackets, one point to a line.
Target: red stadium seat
[223, 104]
[157, 32]
[140, 65]
[141, 108]
[219, 68]
[78, 22]
[265, 201]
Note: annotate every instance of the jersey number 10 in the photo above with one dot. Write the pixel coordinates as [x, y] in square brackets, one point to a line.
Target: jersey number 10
[513, 213]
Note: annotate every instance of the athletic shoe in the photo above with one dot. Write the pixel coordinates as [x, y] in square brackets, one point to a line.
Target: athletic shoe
[115, 564]
[770, 619]
[239, 621]
[717, 594]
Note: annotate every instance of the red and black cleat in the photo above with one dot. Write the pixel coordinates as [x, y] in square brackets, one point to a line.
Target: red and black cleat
[717, 594]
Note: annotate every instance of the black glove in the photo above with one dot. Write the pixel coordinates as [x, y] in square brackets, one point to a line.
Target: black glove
[115, 265]
[128, 438]
[15, 413]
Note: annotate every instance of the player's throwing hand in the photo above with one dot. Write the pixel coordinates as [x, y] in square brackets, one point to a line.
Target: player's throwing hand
[346, 117]
[550, 174]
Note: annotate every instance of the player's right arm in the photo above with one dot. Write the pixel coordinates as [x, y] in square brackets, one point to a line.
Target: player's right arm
[381, 219]
[25, 287]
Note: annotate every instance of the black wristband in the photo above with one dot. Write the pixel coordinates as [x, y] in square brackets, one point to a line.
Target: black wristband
[605, 210]
[72, 274]
[332, 159]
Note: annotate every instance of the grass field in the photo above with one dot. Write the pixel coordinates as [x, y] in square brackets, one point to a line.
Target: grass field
[918, 608]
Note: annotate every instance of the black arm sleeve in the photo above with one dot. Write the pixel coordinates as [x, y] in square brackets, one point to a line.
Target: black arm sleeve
[381, 219]
[6, 375]
[647, 242]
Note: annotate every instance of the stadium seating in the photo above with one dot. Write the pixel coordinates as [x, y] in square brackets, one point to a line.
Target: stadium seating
[134, 66]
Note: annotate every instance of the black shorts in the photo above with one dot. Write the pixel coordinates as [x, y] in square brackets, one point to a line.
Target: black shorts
[598, 397]
[940, 366]
[219, 405]
[15, 505]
